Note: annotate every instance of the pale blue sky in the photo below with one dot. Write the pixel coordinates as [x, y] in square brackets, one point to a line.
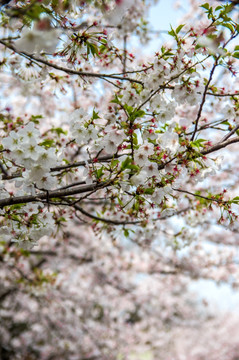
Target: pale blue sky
[164, 14]
[161, 16]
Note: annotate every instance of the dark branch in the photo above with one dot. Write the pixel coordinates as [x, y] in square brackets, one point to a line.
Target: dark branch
[67, 70]
[53, 194]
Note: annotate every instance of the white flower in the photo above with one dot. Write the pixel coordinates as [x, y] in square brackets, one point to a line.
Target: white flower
[29, 132]
[87, 173]
[112, 140]
[5, 233]
[141, 158]
[157, 102]
[30, 154]
[169, 141]
[32, 208]
[185, 123]
[145, 94]
[116, 15]
[166, 112]
[130, 97]
[161, 65]
[11, 142]
[149, 134]
[37, 172]
[46, 182]
[158, 195]
[38, 232]
[139, 179]
[4, 194]
[45, 226]
[79, 133]
[142, 154]
[79, 129]
[167, 212]
[28, 73]
[229, 111]
[47, 159]
[182, 178]
[37, 40]
[47, 219]
[91, 132]
[210, 44]
[79, 115]
[23, 144]
[147, 148]
[191, 93]
[155, 79]
[151, 169]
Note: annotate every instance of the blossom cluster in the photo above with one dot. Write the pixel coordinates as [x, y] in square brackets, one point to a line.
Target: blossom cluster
[117, 188]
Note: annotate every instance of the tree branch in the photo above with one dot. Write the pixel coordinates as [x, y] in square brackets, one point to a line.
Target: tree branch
[204, 97]
[53, 194]
[67, 70]
[220, 145]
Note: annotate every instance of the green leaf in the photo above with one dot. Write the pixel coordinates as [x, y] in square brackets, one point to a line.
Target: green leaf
[205, 6]
[225, 123]
[116, 100]
[197, 143]
[126, 232]
[228, 26]
[15, 217]
[99, 173]
[236, 55]
[126, 163]
[133, 167]
[179, 28]
[95, 115]
[35, 11]
[149, 191]
[35, 118]
[17, 206]
[136, 205]
[139, 113]
[114, 162]
[47, 143]
[129, 109]
[61, 219]
[135, 139]
[92, 48]
[24, 252]
[59, 131]
[172, 33]
[235, 200]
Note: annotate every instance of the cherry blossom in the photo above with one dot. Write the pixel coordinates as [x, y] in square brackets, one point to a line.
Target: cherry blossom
[118, 181]
[42, 38]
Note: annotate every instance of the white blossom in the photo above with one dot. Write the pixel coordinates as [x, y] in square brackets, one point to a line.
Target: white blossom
[139, 179]
[169, 141]
[37, 41]
[112, 140]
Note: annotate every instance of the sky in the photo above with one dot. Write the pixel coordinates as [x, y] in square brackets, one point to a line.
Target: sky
[164, 14]
[161, 17]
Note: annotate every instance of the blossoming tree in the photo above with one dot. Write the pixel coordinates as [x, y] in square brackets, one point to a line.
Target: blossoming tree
[118, 181]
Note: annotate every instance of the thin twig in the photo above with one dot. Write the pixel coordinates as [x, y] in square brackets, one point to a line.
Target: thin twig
[67, 70]
[125, 54]
[204, 98]
[230, 133]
